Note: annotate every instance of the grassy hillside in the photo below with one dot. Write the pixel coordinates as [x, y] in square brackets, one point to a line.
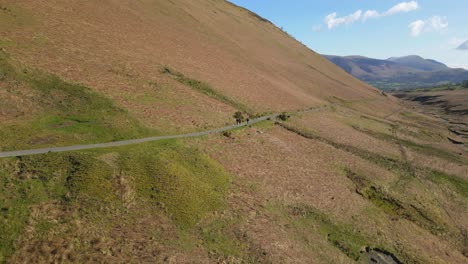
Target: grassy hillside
[354, 175]
[82, 198]
[40, 109]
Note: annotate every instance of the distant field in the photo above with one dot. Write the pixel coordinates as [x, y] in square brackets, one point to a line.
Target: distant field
[448, 87]
[442, 87]
[395, 86]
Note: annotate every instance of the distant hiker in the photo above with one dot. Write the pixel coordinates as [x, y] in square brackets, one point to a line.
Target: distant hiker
[238, 116]
[248, 120]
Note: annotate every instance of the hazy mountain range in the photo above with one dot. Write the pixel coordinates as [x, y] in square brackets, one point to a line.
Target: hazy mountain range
[399, 72]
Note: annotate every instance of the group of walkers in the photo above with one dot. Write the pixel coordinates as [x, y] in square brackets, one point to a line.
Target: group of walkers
[239, 120]
[239, 117]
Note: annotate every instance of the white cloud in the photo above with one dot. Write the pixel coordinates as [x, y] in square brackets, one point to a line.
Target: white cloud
[438, 23]
[433, 24]
[464, 66]
[417, 27]
[403, 7]
[370, 14]
[333, 21]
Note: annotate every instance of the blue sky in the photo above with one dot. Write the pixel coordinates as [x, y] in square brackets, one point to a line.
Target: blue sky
[374, 28]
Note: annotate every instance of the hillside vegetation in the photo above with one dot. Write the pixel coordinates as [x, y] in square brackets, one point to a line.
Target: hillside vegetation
[41, 109]
[347, 174]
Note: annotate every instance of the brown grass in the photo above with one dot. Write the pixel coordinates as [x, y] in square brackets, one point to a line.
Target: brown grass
[285, 168]
[120, 47]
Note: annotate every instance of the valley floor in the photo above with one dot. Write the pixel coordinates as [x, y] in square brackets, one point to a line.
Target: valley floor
[449, 105]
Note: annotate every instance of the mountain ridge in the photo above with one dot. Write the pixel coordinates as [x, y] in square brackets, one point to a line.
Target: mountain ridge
[418, 62]
[405, 72]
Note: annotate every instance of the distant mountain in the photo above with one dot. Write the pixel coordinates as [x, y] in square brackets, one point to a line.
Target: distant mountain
[399, 72]
[420, 63]
[463, 46]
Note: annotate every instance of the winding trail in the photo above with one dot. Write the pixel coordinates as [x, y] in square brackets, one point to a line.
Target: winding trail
[29, 152]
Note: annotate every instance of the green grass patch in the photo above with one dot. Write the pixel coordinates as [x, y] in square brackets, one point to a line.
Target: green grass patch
[43, 227]
[6, 42]
[69, 113]
[218, 237]
[205, 89]
[181, 180]
[458, 184]
[76, 179]
[266, 124]
[167, 177]
[384, 201]
[410, 115]
[90, 181]
[442, 87]
[394, 206]
[25, 182]
[338, 235]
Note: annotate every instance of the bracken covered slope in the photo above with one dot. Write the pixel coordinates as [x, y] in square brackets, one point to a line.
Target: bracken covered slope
[358, 176]
[118, 46]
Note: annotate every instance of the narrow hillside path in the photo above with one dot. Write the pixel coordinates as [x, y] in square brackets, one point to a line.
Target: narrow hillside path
[29, 152]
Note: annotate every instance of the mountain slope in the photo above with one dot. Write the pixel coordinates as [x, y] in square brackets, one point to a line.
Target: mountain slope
[399, 72]
[229, 58]
[352, 176]
[368, 68]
